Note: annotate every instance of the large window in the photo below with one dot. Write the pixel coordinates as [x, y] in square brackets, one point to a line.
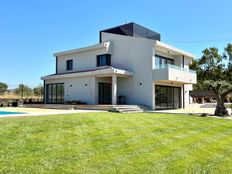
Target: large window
[55, 93]
[162, 62]
[167, 97]
[69, 65]
[104, 60]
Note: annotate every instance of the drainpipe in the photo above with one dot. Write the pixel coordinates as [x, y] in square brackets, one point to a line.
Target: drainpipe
[44, 93]
[183, 85]
[56, 64]
[183, 61]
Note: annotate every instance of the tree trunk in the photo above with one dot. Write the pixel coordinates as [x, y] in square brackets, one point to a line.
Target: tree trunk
[220, 108]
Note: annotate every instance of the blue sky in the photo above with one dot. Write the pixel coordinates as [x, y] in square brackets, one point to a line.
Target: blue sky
[31, 31]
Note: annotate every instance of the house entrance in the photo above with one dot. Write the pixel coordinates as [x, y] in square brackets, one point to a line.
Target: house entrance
[104, 93]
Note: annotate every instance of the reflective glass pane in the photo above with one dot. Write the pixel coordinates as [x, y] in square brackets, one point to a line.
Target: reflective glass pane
[53, 93]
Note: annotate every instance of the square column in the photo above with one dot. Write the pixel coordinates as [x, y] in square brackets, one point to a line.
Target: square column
[114, 90]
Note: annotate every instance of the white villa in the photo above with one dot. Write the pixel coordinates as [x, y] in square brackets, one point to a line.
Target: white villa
[130, 65]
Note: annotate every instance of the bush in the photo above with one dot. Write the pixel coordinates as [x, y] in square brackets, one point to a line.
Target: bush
[230, 106]
[204, 114]
[15, 104]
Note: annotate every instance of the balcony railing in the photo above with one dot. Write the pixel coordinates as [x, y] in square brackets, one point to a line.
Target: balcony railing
[164, 66]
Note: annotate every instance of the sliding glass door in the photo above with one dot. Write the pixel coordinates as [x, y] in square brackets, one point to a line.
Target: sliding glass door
[104, 93]
[55, 93]
[162, 62]
[167, 97]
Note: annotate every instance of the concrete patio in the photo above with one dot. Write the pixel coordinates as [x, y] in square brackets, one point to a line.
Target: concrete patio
[207, 108]
[41, 111]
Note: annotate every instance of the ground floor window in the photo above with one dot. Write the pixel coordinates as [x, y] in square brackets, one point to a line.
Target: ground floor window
[167, 97]
[55, 93]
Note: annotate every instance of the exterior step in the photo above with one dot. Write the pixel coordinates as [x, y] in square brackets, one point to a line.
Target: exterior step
[128, 108]
[127, 112]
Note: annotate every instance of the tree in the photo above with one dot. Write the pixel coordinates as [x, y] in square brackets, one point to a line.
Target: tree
[3, 88]
[214, 71]
[38, 91]
[23, 90]
[221, 89]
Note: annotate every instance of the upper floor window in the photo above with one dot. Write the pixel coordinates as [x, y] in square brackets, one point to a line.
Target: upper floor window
[161, 61]
[69, 65]
[104, 60]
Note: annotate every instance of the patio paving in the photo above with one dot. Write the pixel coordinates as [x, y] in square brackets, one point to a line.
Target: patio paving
[40, 111]
[192, 109]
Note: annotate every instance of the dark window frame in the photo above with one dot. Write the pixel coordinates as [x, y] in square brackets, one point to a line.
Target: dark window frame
[166, 101]
[69, 65]
[107, 61]
[59, 97]
[107, 99]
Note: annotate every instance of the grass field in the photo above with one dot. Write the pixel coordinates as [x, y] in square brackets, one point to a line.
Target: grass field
[115, 143]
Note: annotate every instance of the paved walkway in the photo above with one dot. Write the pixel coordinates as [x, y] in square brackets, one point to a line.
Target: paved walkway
[187, 111]
[193, 109]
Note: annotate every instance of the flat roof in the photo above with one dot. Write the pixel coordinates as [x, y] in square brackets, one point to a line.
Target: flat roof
[83, 49]
[165, 47]
[102, 71]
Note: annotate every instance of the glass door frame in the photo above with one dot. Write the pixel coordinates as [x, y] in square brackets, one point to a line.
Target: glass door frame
[163, 101]
[104, 93]
[55, 93]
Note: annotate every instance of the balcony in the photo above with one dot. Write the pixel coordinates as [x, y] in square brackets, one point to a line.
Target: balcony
[176, 74]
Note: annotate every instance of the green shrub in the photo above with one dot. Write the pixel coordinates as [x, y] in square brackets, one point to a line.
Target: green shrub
[204, 115]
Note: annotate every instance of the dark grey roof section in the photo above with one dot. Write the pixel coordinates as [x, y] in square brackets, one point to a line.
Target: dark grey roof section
[134, 30]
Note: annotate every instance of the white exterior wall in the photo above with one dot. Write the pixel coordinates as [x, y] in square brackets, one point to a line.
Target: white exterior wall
[81, 61]
[133, 54]
[174, 75]
[76, 89]
[188, 99]
[128, 53]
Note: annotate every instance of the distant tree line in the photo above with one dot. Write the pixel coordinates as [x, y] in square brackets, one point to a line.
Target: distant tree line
[3, 88]
[23, 90]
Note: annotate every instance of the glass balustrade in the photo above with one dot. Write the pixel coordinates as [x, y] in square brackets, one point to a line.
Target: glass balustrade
[164, 66]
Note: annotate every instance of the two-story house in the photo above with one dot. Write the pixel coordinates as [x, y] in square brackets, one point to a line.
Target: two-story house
[130, 65]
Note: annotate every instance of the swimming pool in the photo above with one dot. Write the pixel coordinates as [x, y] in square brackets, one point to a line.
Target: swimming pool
[9, 113]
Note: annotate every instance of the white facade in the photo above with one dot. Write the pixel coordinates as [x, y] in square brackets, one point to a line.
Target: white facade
[132, 73]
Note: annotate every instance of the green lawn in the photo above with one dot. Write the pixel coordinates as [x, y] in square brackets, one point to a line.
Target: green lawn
[115, 143]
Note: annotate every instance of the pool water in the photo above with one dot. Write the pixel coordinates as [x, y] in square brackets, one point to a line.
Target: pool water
[8, 113]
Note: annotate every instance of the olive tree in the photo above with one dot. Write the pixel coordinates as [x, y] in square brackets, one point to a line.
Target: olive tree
[214, 71]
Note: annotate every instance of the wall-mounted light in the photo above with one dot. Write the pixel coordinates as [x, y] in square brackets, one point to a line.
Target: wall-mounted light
[70, 85]
[140, 84]
[86, 84]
